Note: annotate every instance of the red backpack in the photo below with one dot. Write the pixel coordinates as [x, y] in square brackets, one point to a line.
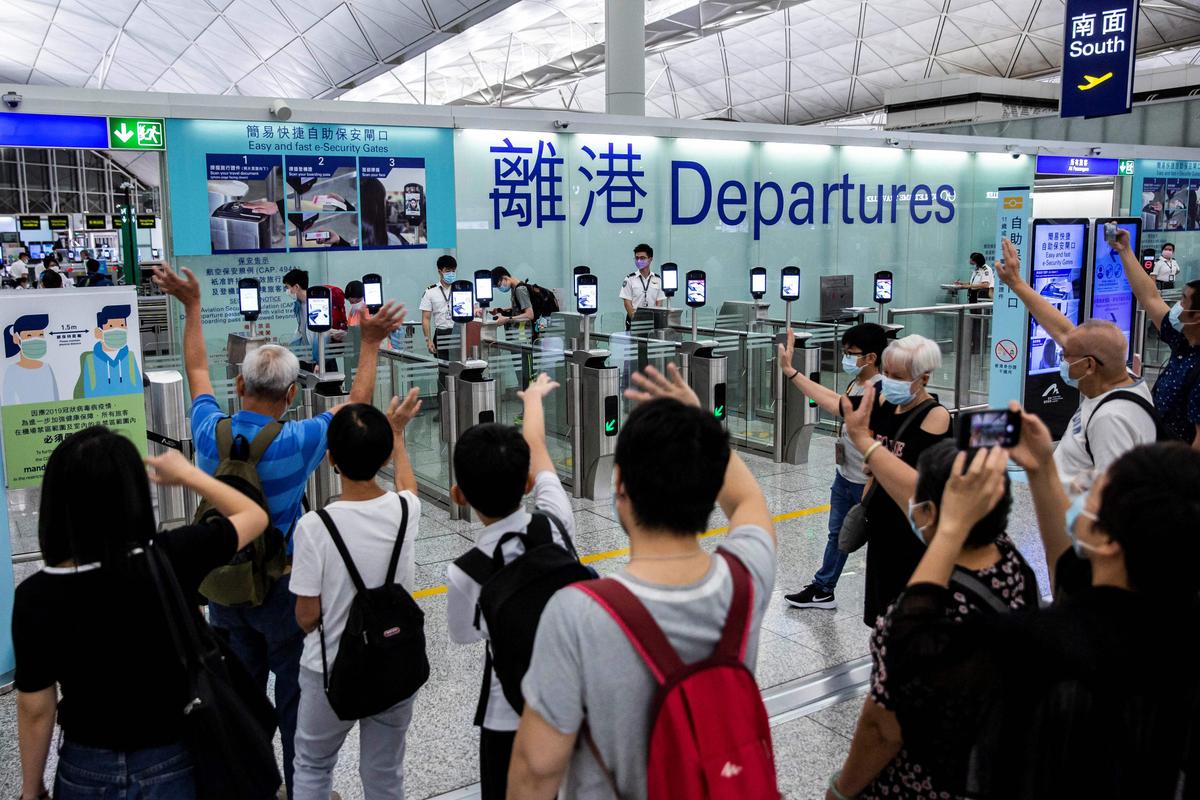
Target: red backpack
[337, 317]
[709, 735]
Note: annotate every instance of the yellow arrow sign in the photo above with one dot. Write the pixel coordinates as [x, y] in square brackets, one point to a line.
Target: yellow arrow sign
[1092, 83]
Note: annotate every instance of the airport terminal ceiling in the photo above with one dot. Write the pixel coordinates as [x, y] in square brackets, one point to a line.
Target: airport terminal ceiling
[784, 61]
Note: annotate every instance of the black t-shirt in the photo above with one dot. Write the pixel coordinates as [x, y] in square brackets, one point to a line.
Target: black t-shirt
[104, 640]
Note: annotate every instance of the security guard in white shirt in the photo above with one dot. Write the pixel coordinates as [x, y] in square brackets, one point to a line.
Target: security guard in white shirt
[641, 288]
[1166, 268]
[435, 308]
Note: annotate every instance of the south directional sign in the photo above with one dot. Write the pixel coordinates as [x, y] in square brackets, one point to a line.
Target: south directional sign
[136, 133]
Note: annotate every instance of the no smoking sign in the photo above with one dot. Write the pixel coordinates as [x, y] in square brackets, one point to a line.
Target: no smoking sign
[1006, 351]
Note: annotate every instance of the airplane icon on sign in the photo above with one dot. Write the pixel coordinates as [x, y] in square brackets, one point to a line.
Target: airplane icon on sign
[1092, 82]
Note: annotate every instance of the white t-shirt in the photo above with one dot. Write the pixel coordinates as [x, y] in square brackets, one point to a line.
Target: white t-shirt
[369, 528]
[550, 498]
[1117, 428]
[1165, 269]
[983, 275]
[19, 269]
[642, 292]
[436, 301]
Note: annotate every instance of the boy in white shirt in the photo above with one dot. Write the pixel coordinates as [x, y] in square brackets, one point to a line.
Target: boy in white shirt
[495, 466]
[361, 440]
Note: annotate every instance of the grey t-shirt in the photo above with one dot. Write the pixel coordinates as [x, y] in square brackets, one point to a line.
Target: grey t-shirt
[521, 299]
[584, 666]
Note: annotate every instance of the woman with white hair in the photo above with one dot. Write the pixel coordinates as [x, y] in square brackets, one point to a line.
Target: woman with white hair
[891, 428]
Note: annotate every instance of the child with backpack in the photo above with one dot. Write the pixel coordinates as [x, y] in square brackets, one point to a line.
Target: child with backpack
[364, 654]
[641, 683]
[498, 588]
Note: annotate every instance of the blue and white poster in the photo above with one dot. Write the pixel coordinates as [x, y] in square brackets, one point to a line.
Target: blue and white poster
[1098, 57]
[1008, 312]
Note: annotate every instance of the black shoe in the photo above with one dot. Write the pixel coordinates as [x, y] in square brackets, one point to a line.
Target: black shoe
[811, 596]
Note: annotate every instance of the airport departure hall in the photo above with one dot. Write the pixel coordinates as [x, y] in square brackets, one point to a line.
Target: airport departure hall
[640, 399]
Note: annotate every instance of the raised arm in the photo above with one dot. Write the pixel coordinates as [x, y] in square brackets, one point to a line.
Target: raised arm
[827, 399]
[186, 289]
[246, 516]
[399, 414]
[1144, 288]
[375, 328]
[894, 476]
[1042, 310]
[1035, 452]
[534, 426]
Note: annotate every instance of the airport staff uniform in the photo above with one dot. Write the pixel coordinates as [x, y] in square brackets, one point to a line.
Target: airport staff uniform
[981, 274]
[436, 301]
[642, 292]
[1164, 272]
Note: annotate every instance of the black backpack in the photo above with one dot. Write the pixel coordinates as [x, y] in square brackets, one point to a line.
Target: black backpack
[512, 597]
[1160, 433]
[542, 299]
[381, 659]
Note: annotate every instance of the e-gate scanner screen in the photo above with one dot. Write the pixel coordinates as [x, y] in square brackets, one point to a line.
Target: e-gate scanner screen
[248, 298]
[373, 294]
[791, 287]
[460, 304]
[318, 312]
[695, 292]
[587, 296]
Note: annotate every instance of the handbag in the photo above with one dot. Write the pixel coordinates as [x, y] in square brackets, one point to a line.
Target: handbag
[853, 533]
[229, 724]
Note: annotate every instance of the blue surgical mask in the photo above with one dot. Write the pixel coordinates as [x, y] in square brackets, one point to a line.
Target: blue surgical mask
[1064, 372]
[449, 277]
[917, 530]
[1175, 318]
[850, 365]
[1074, 512]
[897, 392]
[502, 289]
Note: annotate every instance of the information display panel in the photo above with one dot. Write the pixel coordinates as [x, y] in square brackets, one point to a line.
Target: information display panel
[1111, 297]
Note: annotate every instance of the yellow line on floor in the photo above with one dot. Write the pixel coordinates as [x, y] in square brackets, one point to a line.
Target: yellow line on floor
[433, 591]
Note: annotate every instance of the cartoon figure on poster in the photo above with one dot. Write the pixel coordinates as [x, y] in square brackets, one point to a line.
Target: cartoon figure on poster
[30, 379]
[109, 368]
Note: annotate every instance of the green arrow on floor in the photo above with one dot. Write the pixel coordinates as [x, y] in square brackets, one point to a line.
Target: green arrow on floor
[719, 411]
[609, 427]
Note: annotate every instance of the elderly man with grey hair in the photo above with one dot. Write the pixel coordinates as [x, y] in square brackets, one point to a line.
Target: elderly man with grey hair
[266, 637]
[1116, 412]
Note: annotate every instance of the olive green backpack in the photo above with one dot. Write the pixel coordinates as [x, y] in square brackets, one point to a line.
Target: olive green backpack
[246, 580]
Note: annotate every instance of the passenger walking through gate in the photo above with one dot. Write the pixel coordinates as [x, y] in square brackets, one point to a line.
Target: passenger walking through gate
[372, 523]
[266, 636]
[90, 623]
[588, 680]
[862, 355]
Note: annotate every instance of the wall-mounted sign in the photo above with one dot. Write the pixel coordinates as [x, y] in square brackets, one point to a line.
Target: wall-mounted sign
[133, 133]
[1127, 166]
[117, 222]
[1078, 165]
[53, 130]
[95, 222]
[1098, 57]
[1008, 312]
[146, 220]
[58, 222]
[31, 223]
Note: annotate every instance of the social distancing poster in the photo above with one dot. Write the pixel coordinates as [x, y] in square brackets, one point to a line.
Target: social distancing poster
[72, 359]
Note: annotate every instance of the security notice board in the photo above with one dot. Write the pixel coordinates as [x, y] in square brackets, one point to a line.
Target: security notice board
[71, 360]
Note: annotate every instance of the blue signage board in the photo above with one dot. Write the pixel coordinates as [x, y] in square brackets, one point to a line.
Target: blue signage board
[53, 130]
[1099, 38]
[1008, 312]
[1112, 297]
[1077, 165]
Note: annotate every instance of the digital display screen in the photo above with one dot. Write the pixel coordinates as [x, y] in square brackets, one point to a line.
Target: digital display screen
[248, 299]
[883, 290]
[587, 296]
[758, 283]
[1057, 275]
[412, 204]
[611, 420]
[483, 288]
[373, 293]
[461, 305]
[791, 287]
[318, 312]
[1112, 298]
[695, 292]
[670, 280]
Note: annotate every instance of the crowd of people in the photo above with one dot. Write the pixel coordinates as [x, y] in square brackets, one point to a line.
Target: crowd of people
[23, 273]
[641, 684]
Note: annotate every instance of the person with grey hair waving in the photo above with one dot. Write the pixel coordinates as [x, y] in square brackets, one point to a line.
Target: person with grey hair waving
[265, 635]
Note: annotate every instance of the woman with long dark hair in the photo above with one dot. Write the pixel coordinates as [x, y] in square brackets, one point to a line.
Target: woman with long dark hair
[91, 626]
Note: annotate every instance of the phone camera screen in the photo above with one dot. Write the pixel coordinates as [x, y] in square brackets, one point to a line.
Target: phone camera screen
[373, 294]
[318, 312]
[695, 292]
[991, 428]
[248, 298]
[587, 297]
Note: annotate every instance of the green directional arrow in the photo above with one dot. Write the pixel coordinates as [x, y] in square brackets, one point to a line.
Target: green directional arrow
[123, 133]
[609, 427]
[719, 411]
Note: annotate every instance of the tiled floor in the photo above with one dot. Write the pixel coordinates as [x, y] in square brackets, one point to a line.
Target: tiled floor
[442, 744]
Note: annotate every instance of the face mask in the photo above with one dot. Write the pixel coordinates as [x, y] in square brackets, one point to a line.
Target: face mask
[850, 365]
[917, 530]
[1064, 372]
[1175, 318]
[449, 277]
[33, 348]
[115, 338]
[357, 307]
[641, 262]
[897, 392]
[1074, 512]
[502, 289]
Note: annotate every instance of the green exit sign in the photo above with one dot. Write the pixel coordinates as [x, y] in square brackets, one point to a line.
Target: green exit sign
[135, 133]
[1126, 167]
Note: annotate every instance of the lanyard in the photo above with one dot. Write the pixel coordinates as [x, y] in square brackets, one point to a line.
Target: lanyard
[645, 288]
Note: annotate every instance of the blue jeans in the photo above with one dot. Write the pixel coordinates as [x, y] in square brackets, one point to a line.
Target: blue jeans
[843, 496]
[155, 773]
[267, 639]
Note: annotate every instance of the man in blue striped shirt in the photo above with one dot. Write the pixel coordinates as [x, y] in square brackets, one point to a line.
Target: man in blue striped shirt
[266, 637]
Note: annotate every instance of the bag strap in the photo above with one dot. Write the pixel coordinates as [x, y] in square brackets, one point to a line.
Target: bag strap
[340, 543]
[1122, 394]
[968, 581]
[485, 691]
[636, 623]
[395, 561]
[476, 564]
[262, 440]
[224, 431]
[736, 633]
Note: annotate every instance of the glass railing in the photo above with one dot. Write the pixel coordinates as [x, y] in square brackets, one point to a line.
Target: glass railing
[963, 333]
